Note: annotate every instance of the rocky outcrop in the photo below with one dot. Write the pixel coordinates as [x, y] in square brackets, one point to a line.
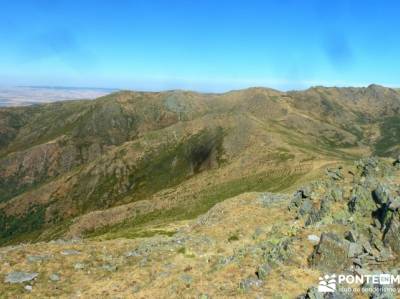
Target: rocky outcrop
[375, 235]
[332, 253]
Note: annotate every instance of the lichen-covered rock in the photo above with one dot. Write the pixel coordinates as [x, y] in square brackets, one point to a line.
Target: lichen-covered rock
[268, 198]
[392, 233]
[361, 201]
[54, 277]
[70, 252]
[306, 207]
[331, 254]
[373, 167]
[335, 173]
[336, 193]
[110, 268]
[354, 250]
[37, 258]
[381, 194]
[351, 236]
[79, 266]
[250, 283]
[394, 203]
[20, 277]
[186, 278]
[280, 252]
[314, 217]
[263, 271]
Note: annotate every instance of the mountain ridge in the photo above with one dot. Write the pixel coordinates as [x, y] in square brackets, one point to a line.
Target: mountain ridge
[52, 151]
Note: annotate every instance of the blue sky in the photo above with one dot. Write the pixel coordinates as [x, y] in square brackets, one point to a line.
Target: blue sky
[205, 45]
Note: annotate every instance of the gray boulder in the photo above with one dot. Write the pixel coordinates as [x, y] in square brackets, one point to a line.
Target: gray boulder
[306, 207]
[54, 277]
[187, 279]
[37, 258]
[368, 166]
[313, 239]
[20, 277]
[381, 194]
[70, 252]
[361, 201]
[267, 198]
[79, 266]
[354, 250]
[263, 271]
[335, 173]
[305, 192]
[279, 253]
[313, 217]
[250, 283]
[394, 203]
[331, 254]
[351, 236]
[109, 267]
[392, 233]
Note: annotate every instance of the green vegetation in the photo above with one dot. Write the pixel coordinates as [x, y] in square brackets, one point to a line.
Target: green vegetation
[159, 169]
[181, 250]
[298, 140]
[12, 226]
[201, 203]
[390, 136]
[233, 237]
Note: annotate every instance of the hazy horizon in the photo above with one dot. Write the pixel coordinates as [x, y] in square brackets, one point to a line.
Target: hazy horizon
[203, 46]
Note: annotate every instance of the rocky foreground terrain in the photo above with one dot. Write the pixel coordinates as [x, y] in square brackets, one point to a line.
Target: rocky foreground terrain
[254, 245]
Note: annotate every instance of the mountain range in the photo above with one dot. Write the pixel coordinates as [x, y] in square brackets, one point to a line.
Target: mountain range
[130, 159]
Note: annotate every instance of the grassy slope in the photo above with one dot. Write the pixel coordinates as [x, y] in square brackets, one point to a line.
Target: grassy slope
[203, 201]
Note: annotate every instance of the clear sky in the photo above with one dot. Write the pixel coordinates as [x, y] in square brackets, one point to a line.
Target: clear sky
[206, 45]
